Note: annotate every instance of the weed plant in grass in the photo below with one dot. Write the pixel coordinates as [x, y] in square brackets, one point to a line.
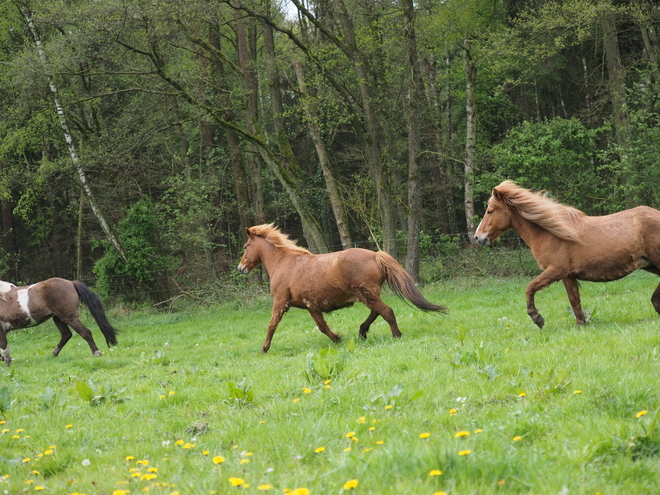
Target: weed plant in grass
[478, 401]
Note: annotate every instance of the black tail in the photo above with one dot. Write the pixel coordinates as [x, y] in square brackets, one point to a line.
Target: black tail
[92, 301]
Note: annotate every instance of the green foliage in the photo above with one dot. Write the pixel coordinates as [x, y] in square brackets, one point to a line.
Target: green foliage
[241, 394]
[96, 396]
[560, 156]
[145, 274]
[324, 364]
[5, 401]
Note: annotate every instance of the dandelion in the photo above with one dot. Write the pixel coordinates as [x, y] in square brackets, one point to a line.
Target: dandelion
[148, 476]
[121, 492]
[218, 459]
[26, 460]
[142, 462]
[465, 452]
[236, 481]
[440, 493]
[350, 484]
[152, 470]
[435, 472]
[319, 450]
[265, 487]
[372, 428]
[347, 449]
[460, 434]
[16, 436]
[245, 461]
[380, 442]
[68, 426]
[452, 412]
[361, 420]
[577, 391]
[307, 391]
[517, 438]
[161, 396]
[262, 422]
[350, 434]
[5, 430]
[180, 442]
[641, 413]
[478, 430]
[188, 446]
[29, 482]
[35, 472]
[171, 392]
[39, 488]
[129, 458]
[327, 382]
[388, 407]
[424, 435]
[205, 452]
[296, 400]
[522, 394]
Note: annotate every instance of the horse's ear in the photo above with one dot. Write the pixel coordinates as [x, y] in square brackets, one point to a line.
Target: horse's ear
[497, 194]
[248, 232]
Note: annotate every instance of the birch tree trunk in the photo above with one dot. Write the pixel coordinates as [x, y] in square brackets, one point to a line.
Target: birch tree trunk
[617, 87]
[470, 138]
[64, 124]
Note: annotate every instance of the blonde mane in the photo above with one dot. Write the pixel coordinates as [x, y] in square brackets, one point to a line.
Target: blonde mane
[558, 219]
[276, 237]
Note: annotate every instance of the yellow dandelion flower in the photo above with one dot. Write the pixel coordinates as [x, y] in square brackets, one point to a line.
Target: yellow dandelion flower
[5, 430]
[388, 407]
[440, 493]
[641, 413]
[69, 426]
[367, 450]
[350, 484]
[148, 476]
[236, 481]
[39, 487]
[205, 452]
[347, 449]
[121, 492]
[144, 462]
[264, 487]
[435, 472]
[319, 450]
[20, 430]
[188, 445]
[328, 386]
[522, 394]
[350, 434]
[262, 422]
[424, 435]
[27, 459]
[465, 452]
[218, 459]
[129, 458]
[35, 472]
[517, 438]
[48, 452]
[180, 442]
[327, 381]
[296, 400]
[306, 390]
[135, 475]
[29, 482]
[152, 470]
[453, 411]
[478, 430]
[380, 442]
[247, 454]
[355, 439]
[171, 392]
[161, 396]
[16, 436]
[2, 422]
[361, 420]
[577, 391]
[460, 434]
[372, 428]
[245, 461]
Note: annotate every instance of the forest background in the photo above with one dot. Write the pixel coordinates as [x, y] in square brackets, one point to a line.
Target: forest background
[140, 137]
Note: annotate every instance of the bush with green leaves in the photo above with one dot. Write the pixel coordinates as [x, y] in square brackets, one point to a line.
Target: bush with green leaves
[145, 275]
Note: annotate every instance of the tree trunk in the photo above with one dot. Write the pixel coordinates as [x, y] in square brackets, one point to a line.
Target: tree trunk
[324, 159]
[470, 138]
[292, 175]
[8, 240]
[100, 217]
[415, 95]
[617, 86]
[373, 145]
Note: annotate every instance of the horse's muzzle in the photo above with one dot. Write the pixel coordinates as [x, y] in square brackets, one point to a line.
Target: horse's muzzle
[482, 240]
[243, 269]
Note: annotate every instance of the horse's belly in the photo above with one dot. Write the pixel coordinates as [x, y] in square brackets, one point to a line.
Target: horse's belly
[325, 304]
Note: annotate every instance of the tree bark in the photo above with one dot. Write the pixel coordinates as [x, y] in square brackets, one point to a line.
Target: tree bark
[64, 124]
[470, 138]
[617, 86]
[324, 160]
[415, 95]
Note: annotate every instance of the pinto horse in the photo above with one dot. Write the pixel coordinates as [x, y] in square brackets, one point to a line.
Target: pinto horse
[569, 245]
[22, 307]
[321, 283]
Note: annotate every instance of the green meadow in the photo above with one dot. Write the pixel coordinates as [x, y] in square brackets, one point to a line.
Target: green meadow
[477, 401]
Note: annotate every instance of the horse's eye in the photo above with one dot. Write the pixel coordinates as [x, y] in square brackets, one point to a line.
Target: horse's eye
[490, 212]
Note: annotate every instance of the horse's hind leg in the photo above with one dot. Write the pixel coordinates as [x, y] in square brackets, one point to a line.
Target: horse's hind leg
[82, 330]
[377, 307]
[65, 334]
[573, 291]
[4, 348]
[323, 326]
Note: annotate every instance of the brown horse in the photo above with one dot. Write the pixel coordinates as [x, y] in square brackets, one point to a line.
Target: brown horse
[569, 245]
[22, 307]
[326, 282]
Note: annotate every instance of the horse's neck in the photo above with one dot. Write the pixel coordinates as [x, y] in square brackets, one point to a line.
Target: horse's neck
[530, 232]
[273, 258]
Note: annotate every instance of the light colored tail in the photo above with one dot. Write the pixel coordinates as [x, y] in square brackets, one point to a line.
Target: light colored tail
[402, 283]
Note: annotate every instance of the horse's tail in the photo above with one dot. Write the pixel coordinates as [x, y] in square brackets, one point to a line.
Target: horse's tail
[92, 301]
[402, 284]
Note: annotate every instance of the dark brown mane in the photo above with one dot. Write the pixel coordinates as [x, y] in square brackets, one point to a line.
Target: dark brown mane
[545, 212]
[276, 237]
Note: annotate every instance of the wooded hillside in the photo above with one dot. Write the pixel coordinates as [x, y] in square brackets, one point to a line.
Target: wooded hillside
[140, 137]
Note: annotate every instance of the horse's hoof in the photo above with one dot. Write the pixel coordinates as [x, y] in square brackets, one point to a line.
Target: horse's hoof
[539, 321]
[97, 353]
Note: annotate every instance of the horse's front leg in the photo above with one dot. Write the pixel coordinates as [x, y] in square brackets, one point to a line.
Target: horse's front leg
[279, 308]
[573, 291]
[65, 334]
[323, 326]
[539, 283]
[4, 348]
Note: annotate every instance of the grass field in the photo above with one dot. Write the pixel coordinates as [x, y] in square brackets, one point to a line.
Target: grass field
[478, 401]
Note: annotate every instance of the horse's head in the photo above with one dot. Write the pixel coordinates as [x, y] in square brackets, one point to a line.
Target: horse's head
[496, 220]
[252, 255]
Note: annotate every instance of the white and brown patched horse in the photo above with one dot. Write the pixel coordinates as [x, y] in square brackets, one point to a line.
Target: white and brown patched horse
[22, 307]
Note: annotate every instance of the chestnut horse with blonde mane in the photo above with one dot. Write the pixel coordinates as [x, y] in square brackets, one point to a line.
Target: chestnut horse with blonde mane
[22, 307]
[321, 283]
[569, 245]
